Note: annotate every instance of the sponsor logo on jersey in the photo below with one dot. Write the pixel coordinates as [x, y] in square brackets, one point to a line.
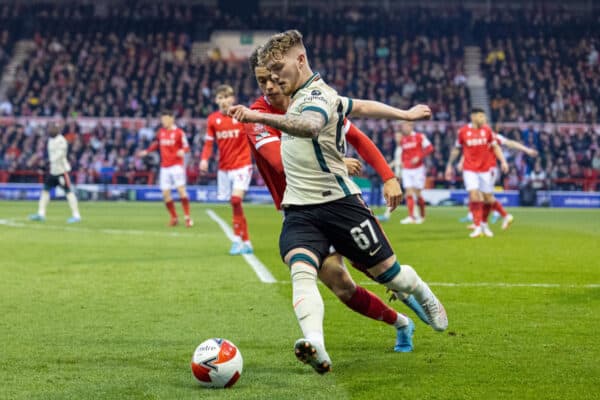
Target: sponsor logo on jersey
[315, 92]
[228, 134]
[476, 141]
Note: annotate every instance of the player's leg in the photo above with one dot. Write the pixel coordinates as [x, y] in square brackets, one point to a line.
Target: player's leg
[471, 181]
[488, 198]
[421, 203]
[165, 182]
[335, 276]
[497, 207]
[419, 185]
[303, 246]
[410, 205]
[241, 183]
[65, 183]
[356, 234]
[179, 180]
[50, 182]
[486, 185]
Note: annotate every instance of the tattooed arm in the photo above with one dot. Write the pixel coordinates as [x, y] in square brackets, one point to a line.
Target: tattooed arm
[308, 125]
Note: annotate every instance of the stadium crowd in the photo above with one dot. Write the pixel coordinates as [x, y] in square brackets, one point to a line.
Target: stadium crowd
[133, 61]
[105, 151]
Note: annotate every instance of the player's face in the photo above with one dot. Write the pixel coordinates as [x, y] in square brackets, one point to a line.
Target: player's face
[407, 128]
[478, 118]
[167, 121]
[268, 87]
[224, 101]
[286, 72]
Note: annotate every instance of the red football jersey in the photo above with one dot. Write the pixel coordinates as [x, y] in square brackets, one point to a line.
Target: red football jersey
[476, 144]
[234, 151]
[414, 145]
[169, 142]
[265, 145]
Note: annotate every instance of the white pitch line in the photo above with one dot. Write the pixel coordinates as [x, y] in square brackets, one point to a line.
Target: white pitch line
[497, 285]
[259, 268]
[42, 226]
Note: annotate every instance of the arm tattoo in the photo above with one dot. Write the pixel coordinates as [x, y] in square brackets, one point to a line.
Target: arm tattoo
[306, 125]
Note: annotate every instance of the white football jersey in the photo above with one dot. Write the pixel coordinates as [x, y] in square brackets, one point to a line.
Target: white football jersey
[57, 153]
[314, 167]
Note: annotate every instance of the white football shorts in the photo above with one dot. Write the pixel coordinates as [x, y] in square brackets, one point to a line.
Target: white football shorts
[172, 177]
[234, 179]
[414, 178]
[482, 181]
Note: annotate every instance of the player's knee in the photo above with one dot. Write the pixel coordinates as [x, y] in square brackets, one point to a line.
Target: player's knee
[302, 256]
[383, 267]
[236, 201]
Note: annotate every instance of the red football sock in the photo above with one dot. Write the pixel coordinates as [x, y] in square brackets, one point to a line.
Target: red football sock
[171, 207]
[238, 215]
[421, 202]
[369, 305]
[410, 204]
[477, 209]
[185, 203]
[498, 207]
[244, 230]
[486, 212]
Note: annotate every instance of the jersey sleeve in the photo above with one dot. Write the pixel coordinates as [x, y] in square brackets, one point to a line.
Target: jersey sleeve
[369, 152]
[266, 144]
[154, 145]
[184, 142]
[209, 141]
[426, 145]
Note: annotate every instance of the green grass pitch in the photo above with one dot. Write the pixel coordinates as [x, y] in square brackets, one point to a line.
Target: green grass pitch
[113, 308]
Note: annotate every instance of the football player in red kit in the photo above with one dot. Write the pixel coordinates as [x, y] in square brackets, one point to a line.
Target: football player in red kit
[235, 164]
[172, 145]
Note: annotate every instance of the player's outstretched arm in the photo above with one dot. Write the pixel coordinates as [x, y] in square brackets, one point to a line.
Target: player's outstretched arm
[513, 144]
[375, 109]
[307, 125]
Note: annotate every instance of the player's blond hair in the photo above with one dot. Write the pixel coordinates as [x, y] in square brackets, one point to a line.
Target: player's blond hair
[279, 44]
[225, 90]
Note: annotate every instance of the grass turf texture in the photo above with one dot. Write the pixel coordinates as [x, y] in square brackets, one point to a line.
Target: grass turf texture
[114, 307]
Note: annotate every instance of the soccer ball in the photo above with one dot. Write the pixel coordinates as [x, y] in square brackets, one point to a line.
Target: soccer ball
[217, 363]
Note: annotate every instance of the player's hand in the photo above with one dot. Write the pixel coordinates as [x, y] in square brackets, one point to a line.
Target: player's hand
[532, 153]
[203, 166]
[393, 295]
[415, 160]
[392, 193]
[353, 165]
[180, 153]
[142, 153]
[504, 167]
[449, 173]
[243, 114]
[418, 112]
[459, 166]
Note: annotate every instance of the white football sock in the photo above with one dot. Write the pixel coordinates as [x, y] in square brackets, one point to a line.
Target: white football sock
[43, 204]
[72, 199]
[401, 322]
[408, 281]
[308, 303]
[388, 212]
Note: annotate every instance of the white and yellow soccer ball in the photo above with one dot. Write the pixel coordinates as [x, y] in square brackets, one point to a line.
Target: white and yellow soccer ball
[217, 363]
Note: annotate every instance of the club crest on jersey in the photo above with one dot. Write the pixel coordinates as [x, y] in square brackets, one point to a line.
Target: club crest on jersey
[218, 121]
